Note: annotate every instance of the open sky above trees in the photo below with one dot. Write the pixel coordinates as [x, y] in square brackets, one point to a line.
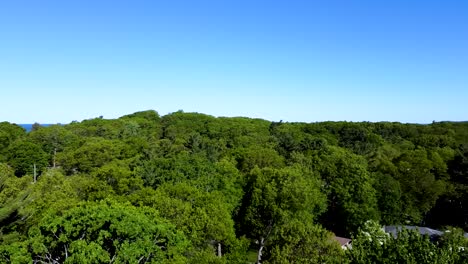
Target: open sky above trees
[279, 60]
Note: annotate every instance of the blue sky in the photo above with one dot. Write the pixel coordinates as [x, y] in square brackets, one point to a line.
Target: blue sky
[289, 60]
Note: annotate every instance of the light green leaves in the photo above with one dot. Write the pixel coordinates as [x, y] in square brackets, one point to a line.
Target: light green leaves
[107, 231]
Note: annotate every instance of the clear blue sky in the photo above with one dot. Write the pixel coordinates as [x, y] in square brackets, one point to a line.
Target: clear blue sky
[292, 60]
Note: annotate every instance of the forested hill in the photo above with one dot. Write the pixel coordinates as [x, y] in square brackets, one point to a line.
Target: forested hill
[192, 188]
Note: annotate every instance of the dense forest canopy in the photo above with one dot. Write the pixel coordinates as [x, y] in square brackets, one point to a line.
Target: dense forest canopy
[192, 188]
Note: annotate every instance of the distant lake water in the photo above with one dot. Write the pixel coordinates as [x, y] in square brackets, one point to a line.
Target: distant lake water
[28, 127]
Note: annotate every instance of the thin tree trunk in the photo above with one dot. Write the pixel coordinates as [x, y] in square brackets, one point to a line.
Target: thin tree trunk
[259, 254]
[262, 241]
[55, 154]
[66, 251]
[35, 175]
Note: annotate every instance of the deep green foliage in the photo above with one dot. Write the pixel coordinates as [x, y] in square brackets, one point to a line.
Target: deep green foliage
[23, 156]
[192, 188]
[9, 133]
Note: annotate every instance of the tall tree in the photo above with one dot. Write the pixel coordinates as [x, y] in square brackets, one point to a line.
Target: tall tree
[274, 196]
[25, 156]
[351, 196]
